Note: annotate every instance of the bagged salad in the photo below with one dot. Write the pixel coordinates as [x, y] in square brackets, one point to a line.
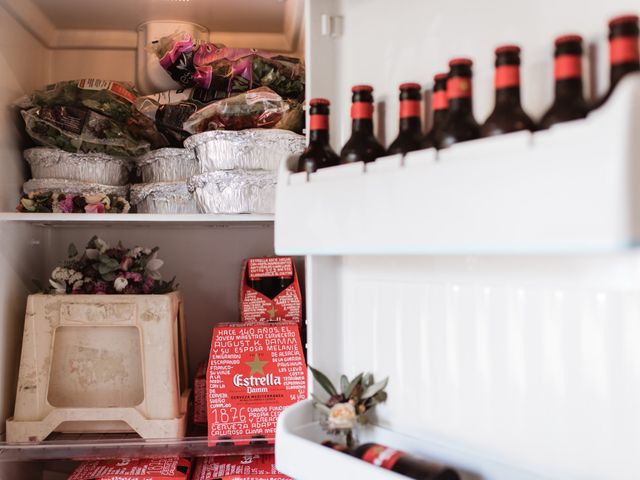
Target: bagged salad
[89, 115]
[225, 71]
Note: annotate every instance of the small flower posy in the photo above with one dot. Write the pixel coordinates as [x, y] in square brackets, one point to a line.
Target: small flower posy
[101, 269]
[342, 411]
[54, 202]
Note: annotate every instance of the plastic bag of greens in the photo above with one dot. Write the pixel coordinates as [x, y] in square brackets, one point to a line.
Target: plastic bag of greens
[257, 108]
[113, 100]
[78, 129]
[225, 71]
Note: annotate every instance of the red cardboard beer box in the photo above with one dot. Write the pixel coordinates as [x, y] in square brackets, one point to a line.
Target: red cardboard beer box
[200, 395]
[269, 291]
[255, 371]
[163, 468]
[237, 467]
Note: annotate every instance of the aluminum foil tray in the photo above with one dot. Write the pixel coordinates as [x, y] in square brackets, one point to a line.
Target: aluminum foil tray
[73, 186]
[167, 165]
[235, 191]
[83, 167]
[167, 197]
[252, 149]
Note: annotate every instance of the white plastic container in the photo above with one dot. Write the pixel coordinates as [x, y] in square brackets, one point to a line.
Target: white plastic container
[102, 363]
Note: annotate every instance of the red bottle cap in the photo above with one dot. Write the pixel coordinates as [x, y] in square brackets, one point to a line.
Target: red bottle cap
[623, 19]
[440, 76]
[507, 49]
[362, 88]
[571, 38]
[460, 61]
[410, 86]
[319, 101]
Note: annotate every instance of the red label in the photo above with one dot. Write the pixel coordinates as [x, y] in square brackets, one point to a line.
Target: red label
[360, 110]
[382, 456]
[237, 467]
[133, 469]
[458, 87]
[122, 92]
[409, 108]
[623, 50]
[319, 122]
[270, 267]
[439, 100]
[255, 371]
[567, 66]
[507, 76]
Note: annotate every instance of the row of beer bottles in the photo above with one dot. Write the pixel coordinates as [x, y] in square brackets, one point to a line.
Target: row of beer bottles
[453, 119]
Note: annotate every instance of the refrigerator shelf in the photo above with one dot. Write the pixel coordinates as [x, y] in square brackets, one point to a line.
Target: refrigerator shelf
[96, 446]
[570, 189]
[299, 436]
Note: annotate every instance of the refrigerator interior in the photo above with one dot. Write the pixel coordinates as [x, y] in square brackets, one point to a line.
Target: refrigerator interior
[45, 41]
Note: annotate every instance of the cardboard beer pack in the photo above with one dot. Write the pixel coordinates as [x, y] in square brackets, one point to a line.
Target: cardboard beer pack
[269, 291]
[163, 468]
[237, 467]
[255, 371]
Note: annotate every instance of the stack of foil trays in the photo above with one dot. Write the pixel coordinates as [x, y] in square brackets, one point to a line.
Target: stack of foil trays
[238, 169]
[165, 173]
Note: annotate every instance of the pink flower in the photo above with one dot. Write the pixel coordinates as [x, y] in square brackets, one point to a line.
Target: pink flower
[66, 205]
[147, 286]
[94, 208]
[133, 276]
[100, 288]
[125, 264]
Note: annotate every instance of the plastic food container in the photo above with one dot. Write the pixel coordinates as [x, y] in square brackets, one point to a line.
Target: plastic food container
[235, 191]
[167, 165]
[73, 186]
[168, 197]
[252, 149]
[84, 167]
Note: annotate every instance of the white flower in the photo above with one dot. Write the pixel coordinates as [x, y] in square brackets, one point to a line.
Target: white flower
[101, 245]
[78, 284]
[146, 251]
[58, 273]
[153, 266]
[135, 252]
[120, 284]
[342, 416]
[58, 286]
[74, 276]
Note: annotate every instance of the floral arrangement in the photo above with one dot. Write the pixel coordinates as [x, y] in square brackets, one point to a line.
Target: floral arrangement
[54, 202]
[101, 269]
[344, 410]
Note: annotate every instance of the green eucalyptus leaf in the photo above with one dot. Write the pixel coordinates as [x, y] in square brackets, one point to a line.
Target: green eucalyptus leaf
[344, 384]
[367, 379]
[324, 382]
[371, 390]
[72, 251]
[109, 277]
[349, 390]
[322, 407]
[317, 398]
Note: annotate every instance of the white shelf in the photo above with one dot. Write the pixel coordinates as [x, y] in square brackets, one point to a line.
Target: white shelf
[299, 436]
[570, 189]
[69, 219]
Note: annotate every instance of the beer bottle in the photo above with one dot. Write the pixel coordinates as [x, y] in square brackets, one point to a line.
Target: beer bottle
[624, 56]
[403, 463]
[318, 153]
[569, 103]
[362, 146]
[508, 115]
[440, 107]
[460, 125]
[410, 132]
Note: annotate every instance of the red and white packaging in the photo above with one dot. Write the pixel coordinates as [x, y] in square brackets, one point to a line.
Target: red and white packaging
[163, 468]
[237, 467]
[255, 371]
[258, 307]
[200, 395]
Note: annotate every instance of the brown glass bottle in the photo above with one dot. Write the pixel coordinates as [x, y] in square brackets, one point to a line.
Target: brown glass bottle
[410, 133]
[569, 103]
[624, 57]
[460, 125]
[340, 447]
[403, 463]
[318, 153]
[508, 115]
[362, 146]
[440, 107]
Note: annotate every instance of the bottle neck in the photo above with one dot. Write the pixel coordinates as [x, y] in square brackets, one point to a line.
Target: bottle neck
[362, 125]
[508, 97]
[569, 89]
[410, 125]
[319, 137]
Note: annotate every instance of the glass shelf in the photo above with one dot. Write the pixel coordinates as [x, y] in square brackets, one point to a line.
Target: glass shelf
[96, 446]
